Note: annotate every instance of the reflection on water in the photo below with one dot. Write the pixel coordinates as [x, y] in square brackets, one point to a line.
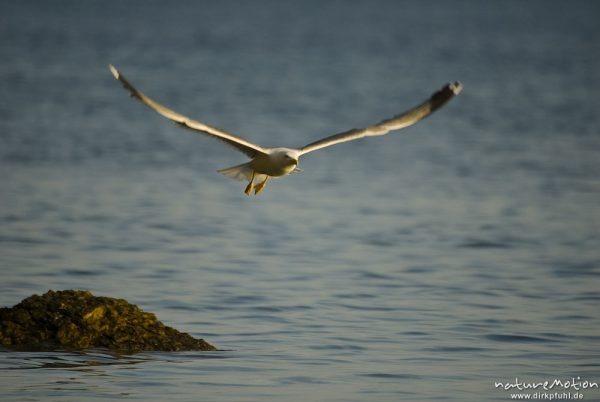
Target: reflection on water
[72, 360]
[426, 264]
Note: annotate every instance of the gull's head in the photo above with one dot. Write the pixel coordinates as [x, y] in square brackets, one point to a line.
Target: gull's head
[286, 156]
[291, 159]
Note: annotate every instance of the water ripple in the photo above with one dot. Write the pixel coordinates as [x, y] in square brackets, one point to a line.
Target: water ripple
[518, 338]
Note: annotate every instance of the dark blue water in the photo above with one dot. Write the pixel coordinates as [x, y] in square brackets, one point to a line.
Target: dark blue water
[424, 265]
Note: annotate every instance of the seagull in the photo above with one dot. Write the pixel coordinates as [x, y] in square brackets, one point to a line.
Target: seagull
[276, 162]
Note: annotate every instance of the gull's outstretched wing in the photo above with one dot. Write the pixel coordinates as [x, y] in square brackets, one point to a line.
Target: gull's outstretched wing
[242, 145]
[402, 120]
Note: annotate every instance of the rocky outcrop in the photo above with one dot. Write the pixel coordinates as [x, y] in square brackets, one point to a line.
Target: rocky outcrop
[73, 320]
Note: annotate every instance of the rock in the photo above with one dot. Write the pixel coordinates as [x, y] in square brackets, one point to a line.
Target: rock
[73, 319]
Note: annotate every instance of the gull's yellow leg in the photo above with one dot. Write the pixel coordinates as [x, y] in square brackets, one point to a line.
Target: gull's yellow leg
[250, 185]
[260, 186]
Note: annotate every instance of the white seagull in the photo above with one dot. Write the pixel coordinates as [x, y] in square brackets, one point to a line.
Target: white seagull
[276, 162]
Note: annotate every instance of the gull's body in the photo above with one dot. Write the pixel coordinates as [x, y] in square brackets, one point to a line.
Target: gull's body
[276, 162]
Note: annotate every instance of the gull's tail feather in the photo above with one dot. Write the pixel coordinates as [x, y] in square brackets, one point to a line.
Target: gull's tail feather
[242, 172]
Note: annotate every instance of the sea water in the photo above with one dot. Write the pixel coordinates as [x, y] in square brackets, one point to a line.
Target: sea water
[429, 264]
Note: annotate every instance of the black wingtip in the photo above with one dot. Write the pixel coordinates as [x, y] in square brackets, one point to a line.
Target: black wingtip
[455, 87]
[442, 96]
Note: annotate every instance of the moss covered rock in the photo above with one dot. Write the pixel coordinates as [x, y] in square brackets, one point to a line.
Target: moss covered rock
[73, 319]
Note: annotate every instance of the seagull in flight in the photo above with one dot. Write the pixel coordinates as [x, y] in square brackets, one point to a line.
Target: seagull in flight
[276, 162]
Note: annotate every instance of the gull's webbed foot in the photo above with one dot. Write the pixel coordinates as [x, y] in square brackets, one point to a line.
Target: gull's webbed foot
[260, 186]
[250, 185]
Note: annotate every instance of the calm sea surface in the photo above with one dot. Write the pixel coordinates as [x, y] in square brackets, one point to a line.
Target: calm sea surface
[424, 265]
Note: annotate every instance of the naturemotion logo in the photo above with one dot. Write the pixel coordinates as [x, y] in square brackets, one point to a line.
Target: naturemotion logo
[561, 389]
